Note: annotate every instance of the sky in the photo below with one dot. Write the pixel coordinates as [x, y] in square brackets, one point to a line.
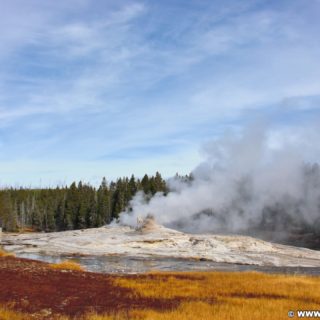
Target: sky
[93, 88]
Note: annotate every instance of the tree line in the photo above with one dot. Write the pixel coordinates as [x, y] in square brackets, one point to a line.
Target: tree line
[77, 206]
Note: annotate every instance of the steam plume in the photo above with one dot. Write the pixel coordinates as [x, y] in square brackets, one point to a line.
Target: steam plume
[260, 179]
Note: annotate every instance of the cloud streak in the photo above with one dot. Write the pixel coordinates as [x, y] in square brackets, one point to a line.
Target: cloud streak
[110, 76]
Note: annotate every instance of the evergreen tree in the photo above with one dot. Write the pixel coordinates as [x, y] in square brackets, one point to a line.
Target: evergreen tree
[71, 208]
[119, 202]
[104, 206]
[74, 207]
[132, 186]
[8, 220]
[145, 184]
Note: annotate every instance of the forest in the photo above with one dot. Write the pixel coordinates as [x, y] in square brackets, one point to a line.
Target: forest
[77, 206]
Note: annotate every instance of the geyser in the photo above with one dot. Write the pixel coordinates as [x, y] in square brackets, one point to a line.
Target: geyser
[259, 182]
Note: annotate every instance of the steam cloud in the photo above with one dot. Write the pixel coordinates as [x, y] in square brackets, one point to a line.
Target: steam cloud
[261, 179]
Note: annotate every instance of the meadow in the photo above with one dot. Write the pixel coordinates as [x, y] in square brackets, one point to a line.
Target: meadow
[155, 295]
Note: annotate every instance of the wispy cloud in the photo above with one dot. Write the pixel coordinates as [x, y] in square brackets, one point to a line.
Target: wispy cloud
[81, 80]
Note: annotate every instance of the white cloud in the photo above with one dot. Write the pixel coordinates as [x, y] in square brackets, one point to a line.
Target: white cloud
[152, 73]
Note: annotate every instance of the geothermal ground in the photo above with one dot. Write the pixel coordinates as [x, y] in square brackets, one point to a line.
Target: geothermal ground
[152, 240]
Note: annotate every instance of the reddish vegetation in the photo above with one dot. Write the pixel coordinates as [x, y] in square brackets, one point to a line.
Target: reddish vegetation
[42, 292]
[34, 286]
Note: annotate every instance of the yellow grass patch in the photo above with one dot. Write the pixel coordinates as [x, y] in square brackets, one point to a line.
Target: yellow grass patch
[7, 314]
[5, 254]
[67, 265]
[220, 295]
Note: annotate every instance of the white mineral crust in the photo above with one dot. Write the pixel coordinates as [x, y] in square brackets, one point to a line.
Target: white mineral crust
[152, 240]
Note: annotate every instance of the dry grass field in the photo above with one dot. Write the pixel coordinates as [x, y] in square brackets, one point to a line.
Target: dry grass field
[67, 265]
[35, 290]
[220, 295]
[5, 254]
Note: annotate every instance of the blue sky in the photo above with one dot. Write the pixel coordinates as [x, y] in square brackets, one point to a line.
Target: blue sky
[92, 88]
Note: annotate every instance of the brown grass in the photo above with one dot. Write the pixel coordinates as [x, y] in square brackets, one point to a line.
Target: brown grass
[67, 265]
[209, 295]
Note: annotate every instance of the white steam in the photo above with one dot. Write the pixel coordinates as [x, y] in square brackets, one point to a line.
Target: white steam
[248, 180]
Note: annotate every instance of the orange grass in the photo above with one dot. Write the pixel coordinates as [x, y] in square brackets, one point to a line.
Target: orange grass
[7, 313]
[220, 295]
[213, 295]
[67, 265]
[5, 254]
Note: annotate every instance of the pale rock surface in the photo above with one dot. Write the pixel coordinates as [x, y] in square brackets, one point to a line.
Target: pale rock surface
[152, 240]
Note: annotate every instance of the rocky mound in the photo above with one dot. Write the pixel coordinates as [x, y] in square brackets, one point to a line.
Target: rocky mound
[152, 240]
[148, 225]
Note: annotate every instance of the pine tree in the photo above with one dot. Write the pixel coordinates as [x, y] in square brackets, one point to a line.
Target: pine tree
[8, 220]
[71, 208]
[119, 202]
[145, 184]
[77, 206]
[160, 184]
[104, 205]
[132, 186]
